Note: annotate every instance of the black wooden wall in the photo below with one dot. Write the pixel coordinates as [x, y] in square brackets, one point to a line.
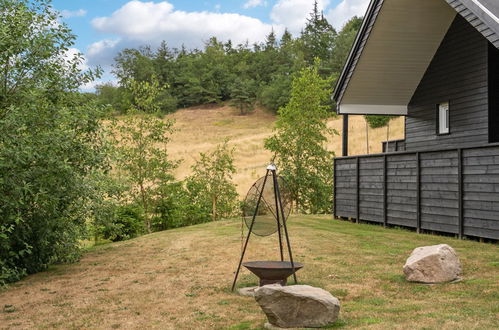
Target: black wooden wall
[458, 74]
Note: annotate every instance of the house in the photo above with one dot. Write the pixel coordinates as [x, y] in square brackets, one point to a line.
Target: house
[436, 62]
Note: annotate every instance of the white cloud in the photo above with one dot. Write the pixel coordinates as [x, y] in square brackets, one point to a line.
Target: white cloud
[90, 86]
[294, 13]
[138, 23]
[254, 3]
[148, 23]
[70, 55]
[345, 10]
[73, 13]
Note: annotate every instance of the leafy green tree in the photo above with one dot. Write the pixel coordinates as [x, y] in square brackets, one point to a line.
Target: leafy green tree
[51, 141]
[300, 142]
[376, 121]
[117, 98]
[211, 182]
[143, 146]
[136, 64]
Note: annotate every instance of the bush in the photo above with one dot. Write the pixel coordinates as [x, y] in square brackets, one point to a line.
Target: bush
[170, 208]
[180, 205]
[128, 223]
[376, 121]
[167, 102]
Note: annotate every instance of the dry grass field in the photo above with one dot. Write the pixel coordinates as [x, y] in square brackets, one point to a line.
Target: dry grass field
[201, 129]
[180, 279]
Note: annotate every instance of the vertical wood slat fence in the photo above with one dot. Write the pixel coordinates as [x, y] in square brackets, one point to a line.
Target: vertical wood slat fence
[452, 191]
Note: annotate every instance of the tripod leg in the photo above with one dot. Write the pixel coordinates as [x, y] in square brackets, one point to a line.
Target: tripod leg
[249, 232]
[277, 208]
[283, 217]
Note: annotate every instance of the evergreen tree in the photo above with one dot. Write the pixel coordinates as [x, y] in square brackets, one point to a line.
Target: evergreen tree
[243, 95]
[344, 41]
[317, 39]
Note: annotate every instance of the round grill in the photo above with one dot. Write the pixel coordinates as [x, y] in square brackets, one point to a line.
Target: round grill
[266, 218]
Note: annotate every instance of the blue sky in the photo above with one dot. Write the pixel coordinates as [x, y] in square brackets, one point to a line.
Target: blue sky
[104, 27]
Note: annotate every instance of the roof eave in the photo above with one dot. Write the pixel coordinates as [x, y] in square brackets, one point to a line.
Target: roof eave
[356, 44]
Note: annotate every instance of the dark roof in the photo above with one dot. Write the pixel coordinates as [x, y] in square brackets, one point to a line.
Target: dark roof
[483, 15]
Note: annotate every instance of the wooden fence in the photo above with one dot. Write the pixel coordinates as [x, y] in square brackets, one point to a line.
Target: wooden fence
[452, 191]
[393, 145]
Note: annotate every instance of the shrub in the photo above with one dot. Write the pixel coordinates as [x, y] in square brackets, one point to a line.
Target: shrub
[128, 222]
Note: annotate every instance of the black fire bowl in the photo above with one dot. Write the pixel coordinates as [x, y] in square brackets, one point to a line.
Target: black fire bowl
[270, 272]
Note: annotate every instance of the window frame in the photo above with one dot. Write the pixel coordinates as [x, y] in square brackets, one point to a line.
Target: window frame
[439, 118]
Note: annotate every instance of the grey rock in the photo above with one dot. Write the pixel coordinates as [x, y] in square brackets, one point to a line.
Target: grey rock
[247, 291]
[297, 306]
[432, 264]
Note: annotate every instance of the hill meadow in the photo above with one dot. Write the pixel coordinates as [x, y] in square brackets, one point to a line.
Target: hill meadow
[201, 128]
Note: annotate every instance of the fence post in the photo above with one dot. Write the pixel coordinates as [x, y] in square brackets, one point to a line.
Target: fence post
[334, 189]
[418, 192]
[460, 189]
[385, 192]
[357, 220]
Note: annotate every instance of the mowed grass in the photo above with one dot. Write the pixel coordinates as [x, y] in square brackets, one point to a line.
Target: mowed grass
[180, 279]
[200, 129]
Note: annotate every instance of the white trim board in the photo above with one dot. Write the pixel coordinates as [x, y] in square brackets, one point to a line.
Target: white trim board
[372, 109]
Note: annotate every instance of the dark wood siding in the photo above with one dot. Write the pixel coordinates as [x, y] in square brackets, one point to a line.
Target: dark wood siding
[401, 177]
[458, 75]
[371, 189]
[481, 192]
[346, 188]
[439, 191]
[475, 21]
[393, 145]
[452, 191]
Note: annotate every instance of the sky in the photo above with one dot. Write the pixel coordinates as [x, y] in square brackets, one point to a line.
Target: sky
[105, 27]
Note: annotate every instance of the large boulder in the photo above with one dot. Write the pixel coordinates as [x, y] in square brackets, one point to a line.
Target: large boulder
[297, 306]
[432, 264]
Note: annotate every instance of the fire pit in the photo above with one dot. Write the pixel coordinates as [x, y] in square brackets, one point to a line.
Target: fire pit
[265, 211]
[270, 272]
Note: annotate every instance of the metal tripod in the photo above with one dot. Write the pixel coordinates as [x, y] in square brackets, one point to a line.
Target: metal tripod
[280, 218]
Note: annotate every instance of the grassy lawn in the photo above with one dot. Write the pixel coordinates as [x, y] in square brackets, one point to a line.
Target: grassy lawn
[180, 279]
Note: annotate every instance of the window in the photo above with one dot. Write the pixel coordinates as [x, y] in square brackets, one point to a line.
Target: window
[443, 118]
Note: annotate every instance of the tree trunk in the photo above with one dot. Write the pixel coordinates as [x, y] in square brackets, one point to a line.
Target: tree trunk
[146, 211]
[367, 137]
[214, 208]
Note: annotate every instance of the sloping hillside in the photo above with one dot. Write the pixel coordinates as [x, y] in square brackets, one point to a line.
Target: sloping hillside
[202, 128]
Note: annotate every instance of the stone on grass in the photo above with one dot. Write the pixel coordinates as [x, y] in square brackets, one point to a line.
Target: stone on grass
[247, 291]
[432, 264]
[297, 306]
